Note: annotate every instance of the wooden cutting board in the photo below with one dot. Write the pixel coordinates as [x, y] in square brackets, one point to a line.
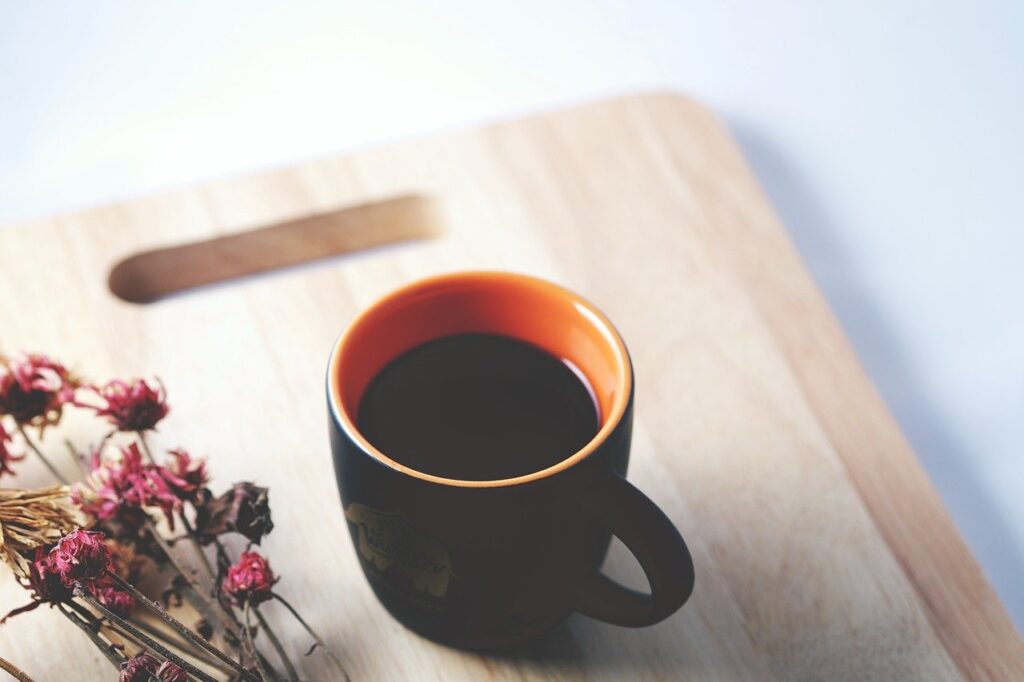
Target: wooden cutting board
[822, 550]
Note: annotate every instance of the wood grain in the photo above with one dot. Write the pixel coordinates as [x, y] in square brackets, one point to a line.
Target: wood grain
[822, 550]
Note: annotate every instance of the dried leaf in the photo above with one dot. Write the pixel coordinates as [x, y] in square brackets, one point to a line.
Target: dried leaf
[33, 518]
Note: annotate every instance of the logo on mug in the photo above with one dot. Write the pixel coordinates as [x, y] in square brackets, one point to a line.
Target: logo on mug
[386, 539]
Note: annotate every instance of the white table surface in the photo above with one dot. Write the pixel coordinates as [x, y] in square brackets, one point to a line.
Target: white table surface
[888, 134]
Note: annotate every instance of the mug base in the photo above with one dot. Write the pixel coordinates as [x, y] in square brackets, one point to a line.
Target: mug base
[452, 633]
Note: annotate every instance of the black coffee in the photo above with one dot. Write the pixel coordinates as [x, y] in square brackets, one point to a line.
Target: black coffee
[478, 407]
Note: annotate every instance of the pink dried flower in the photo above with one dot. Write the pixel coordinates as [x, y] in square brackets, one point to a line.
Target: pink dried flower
[99, 496]
[112, 597]
[121, 485]
[127, 565]
[131, 405]
[168, 672]
[34, 389]
[45, 580]
[81, 556]
[45, 583]
[7, 457]
[185, 476]
[141, 668]
[250, 580]
[145, 666]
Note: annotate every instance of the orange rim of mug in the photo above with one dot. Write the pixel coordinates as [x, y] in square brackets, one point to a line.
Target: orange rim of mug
[522, 307]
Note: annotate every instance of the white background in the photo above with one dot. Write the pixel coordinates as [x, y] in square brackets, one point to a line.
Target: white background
[889, 135]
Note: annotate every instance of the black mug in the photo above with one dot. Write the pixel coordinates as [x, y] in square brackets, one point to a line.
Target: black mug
[489, 564]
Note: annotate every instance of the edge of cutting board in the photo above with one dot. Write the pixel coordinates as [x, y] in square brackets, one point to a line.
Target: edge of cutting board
[961, 604]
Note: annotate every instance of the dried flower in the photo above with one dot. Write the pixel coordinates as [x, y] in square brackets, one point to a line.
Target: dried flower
[112, 597]
[140, 668]
[168, 672]
[81, 556]
[119, 486]
[125, 563]
[44, 578]
[145, 667]
[44, 582]
[250, 580]
[185, 476]
[131, 405]
[30, 519]
[244, 509]
[59, 562]
[6, 455]
[34, 389]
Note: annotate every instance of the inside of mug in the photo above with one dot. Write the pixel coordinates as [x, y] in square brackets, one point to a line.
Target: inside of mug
[524, 308]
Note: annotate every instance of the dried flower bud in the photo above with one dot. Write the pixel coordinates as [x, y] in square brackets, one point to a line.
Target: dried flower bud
[185, 476]
[141, 668]
[128, 566]
[168, 672]
[131, 405]
[81, 556]
[244, 509]
[249, 581]
[7, 456]
[112, 597]
[34, 389]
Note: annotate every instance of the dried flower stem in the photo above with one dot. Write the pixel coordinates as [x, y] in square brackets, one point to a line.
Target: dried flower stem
[205, 560]
[39, 453]
[223, 562]
[195, 595]
[247, 631]
[90, 629]
[178, 626]
[184, 571]
[160, 540]
[89, 625]
[76, 457]
[222, 554]
[212, 610]
[14, 671]
[254, 654]
[312, 633]
[163, 636]
[293, 675]
[145, 447]
[79, 458]
[140, 636]
[209, 609]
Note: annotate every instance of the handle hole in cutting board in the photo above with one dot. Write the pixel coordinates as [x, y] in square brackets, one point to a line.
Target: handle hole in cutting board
[152, 275]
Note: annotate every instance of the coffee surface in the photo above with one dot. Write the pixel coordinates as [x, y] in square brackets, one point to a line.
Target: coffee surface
[477, 407]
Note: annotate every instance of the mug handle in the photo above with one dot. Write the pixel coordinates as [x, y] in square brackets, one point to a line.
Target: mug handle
[654, 541]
